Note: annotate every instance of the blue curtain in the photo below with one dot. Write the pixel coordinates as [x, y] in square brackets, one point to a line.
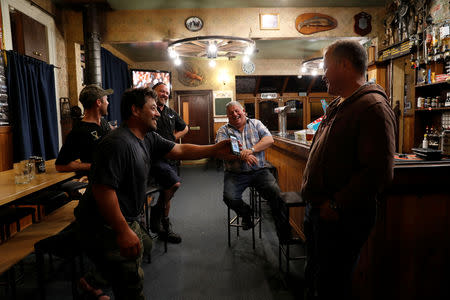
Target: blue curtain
[32, 106]
[116, 76]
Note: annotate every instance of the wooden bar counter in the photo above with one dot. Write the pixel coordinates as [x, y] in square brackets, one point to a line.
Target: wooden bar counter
[408, 253]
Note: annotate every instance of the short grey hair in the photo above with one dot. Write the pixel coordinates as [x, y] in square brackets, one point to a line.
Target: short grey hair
[351, 50]
[233, 103]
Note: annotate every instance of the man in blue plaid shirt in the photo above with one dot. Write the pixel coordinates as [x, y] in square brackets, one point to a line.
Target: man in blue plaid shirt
[249, 167]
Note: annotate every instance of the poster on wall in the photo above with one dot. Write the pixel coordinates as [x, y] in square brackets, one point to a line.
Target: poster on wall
[221, 98]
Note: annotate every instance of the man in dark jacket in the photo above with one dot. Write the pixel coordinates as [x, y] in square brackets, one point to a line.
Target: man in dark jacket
[350, 162]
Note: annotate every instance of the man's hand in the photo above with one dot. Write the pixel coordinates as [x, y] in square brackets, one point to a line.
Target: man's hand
[223, 150]
[327, 213]
[129, 243]
[245, 153]
[251, 160]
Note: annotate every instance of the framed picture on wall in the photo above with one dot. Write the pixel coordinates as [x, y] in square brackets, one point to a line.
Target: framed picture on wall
[269, 21]
[221, 98]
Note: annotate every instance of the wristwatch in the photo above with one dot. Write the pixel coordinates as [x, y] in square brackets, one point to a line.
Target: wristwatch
[253, 149]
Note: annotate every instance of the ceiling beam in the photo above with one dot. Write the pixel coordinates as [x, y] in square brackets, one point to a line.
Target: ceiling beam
[286, 79]
[258, 82]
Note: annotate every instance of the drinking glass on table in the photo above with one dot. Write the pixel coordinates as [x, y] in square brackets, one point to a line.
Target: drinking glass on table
[22, 172]
[309, 134]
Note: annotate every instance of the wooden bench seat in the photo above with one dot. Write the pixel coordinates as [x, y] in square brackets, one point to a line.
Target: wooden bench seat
[22, 244]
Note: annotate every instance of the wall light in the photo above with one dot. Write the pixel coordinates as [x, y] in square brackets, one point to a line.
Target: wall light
[223, 77]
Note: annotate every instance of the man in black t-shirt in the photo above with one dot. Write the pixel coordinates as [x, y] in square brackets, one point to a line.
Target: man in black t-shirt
[107, 216]
[76, 153]
[171, 127]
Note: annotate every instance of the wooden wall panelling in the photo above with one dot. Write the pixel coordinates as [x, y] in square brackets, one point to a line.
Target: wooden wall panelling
[6, 148]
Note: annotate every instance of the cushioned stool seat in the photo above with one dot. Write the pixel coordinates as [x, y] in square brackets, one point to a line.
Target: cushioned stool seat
[286, 238]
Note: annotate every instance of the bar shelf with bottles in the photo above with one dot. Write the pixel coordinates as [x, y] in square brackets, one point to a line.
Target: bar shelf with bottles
[432, 90]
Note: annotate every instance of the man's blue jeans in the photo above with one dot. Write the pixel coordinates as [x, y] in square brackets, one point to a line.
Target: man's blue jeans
[236, 183]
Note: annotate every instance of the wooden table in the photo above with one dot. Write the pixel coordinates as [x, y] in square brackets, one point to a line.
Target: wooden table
[10, 191]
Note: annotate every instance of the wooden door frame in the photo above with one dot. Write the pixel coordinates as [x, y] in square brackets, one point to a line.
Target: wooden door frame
[208, 93]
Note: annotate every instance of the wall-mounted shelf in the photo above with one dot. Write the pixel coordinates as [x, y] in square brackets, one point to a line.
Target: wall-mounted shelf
[433, 109]
[431, 84]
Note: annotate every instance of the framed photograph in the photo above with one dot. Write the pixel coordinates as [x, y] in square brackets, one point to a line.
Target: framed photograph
[193, 23]
[269, 21]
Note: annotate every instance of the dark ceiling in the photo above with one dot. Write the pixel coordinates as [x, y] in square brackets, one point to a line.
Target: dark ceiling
[279, 84]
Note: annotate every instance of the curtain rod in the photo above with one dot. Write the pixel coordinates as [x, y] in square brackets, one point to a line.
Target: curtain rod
[4, 51]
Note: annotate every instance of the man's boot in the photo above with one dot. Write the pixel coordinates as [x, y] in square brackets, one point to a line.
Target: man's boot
[156, 213]
[171, 236]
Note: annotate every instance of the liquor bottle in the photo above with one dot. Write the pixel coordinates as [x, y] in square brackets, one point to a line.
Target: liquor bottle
[425, 141]
[433, 103]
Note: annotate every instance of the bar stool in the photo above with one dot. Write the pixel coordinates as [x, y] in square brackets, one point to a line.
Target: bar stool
[255, 205]
[150, 192]
[284, 229]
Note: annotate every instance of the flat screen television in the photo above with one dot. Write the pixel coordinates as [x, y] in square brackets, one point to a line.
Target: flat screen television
[148, 78]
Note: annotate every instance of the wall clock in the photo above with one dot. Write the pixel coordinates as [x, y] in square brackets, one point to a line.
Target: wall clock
[248, 67]
[193, 23]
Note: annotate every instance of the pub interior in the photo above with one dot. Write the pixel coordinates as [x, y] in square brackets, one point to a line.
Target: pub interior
[269, 58]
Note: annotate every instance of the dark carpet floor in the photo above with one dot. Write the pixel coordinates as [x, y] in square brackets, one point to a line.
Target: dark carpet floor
[202, 266]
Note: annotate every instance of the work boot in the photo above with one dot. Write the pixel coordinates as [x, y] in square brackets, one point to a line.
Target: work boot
[167, 233]
[156, 213]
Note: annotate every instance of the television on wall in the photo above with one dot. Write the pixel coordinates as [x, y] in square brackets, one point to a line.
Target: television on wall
[148, 78]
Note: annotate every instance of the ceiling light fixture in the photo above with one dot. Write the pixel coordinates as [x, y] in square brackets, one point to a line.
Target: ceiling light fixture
[313, 66]
[214, 46]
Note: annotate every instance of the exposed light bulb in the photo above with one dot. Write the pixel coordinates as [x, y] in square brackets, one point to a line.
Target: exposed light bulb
[212, 63]
[245, 59]
[249, 50]
[177, 61]
[172, 53]
[212, 51]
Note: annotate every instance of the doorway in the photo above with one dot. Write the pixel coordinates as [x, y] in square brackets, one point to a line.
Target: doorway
[195, 108]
